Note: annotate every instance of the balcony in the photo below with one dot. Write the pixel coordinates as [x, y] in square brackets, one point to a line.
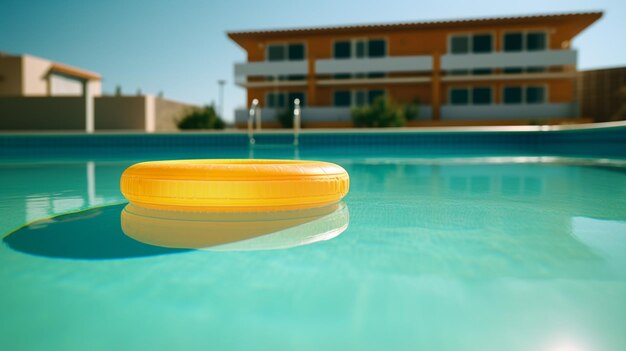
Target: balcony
[266, 68]
[309, 114]
[508, 112]
[493, 112]
[509, 59]
[316, 114]
[383, 64]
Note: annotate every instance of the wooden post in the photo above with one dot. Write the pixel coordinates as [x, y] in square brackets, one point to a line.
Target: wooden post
[436, 86]
[311, 82]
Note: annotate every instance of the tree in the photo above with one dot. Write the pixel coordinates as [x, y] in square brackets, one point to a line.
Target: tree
[204, 118]
[411, 111]
[381, 113]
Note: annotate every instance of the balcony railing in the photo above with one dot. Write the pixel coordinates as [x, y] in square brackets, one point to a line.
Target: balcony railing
[422, 63]
[509, 111]
[383, 64]
[318, 114]
[509, 59]
[493, 112]
[269, 68]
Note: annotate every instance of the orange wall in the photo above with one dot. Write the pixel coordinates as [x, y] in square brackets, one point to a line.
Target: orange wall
[424, 41]
[414, 41]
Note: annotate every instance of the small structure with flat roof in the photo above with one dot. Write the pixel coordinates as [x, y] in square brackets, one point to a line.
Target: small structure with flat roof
[39, 94]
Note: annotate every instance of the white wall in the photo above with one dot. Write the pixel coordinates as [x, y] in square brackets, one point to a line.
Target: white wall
[65, 86]
[34, 76]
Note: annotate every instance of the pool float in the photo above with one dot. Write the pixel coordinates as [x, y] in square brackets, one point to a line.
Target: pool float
[245, 231]
[234, 185]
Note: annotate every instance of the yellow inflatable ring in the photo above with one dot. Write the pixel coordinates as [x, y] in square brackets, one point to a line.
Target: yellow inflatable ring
[234, 185]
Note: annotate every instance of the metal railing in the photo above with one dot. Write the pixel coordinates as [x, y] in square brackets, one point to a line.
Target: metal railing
[254, 118]
[296, 121]
[254, 114]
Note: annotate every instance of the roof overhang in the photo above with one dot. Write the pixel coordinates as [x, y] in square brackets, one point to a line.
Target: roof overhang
[586, 19]
[73, 72]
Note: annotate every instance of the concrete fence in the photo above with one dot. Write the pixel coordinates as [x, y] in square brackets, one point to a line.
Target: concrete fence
[47, 113]
[139, 113]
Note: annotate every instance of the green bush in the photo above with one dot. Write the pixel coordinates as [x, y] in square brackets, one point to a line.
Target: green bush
[285, 118]
[204, 118]
[381, 113]
[411, 111]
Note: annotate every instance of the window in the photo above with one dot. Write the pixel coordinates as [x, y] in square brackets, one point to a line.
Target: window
[481, 43]
[296, 77]
[376, 75]
[535, 94]
[535, 69]
[458, 72]
[481, 96]
[377, 48]
[465, 96]
[359, 48]
[342, 49]
[360, 97]
[284, 100]
[271, 100]
[296, 95]
[476, 43]
[513, 42]
[296, 52]
[284, 52]
[513, 70]
[459, 96]
[372, 95]
[481, 71]
[343, 76]
[530, 41]
[459, 45]
[342, 98]
[536, 41]
[347, 98]
[512, 95]
[276, 53]
[519, 94]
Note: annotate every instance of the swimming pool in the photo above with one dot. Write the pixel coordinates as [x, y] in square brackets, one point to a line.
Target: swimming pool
[473, 248]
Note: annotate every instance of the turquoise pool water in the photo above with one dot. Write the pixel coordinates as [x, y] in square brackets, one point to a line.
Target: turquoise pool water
[446, 253]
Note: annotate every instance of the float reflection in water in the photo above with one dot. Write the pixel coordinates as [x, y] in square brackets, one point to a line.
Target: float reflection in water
[234, 231]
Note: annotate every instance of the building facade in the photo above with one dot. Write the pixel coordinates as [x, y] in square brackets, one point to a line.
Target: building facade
[513, 70]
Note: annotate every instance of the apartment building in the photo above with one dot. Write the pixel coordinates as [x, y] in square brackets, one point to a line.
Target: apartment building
[506, 70]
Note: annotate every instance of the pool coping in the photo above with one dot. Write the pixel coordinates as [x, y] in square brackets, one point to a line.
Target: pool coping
[385, 131]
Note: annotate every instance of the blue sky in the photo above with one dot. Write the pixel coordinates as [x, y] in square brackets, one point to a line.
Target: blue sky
[180, 47]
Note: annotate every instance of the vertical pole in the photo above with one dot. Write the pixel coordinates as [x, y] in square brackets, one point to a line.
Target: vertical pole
[258, 117]
[221, 83]
[296, 121]
[436, 87]
[251, 115]
[89, 108]
[150, 113]
[91, 183]
[311, 82]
